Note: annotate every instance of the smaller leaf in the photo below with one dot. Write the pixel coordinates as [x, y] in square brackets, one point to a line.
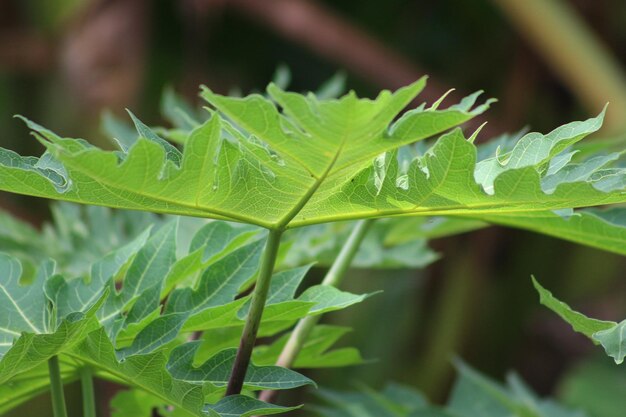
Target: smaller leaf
[609, 334]
[316, 352]
[329, 298]
[578, 321]
[217, 369]
[242, 406]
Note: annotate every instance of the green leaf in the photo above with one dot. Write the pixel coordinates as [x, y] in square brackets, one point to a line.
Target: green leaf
[609, 334]
[535, 150]
[24, 307]
[131, 341]
[588, 227]
[442, 182]
[316, 351]
[220, 283]
[76, 238]
[137, 403]
[216, 370]
[580, 323]
[147, 372]
[394, 401]
[31, 329]
[473, 395]
[328, 298]
[222, 169]
[297, 173]
[241, 406]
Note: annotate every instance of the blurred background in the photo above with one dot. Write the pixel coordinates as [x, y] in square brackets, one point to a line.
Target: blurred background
[548, 62]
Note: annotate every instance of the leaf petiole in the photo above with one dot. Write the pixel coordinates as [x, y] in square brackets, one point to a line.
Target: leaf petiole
[333, 277]
[56, 388]
[86, 386]
[251, 328]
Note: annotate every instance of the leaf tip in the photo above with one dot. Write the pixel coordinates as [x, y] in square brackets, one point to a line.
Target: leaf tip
[474, 135]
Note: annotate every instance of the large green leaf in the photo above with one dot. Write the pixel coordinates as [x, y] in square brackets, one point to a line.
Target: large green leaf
[326, 160]
[222, 169]
[402, 237]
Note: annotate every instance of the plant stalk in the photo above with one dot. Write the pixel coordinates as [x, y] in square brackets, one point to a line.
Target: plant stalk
[251, 328]
[89, 397]
[333, 277]
[56, 388]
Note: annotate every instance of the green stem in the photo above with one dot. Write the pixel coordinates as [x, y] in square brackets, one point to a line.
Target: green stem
[251, 328]
[89, 398]
[56, 388]
[333, 278]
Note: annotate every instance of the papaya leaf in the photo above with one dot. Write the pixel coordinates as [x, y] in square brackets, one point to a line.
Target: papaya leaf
[553, 157]
[32, 330]
[298, 174]
[222, 168]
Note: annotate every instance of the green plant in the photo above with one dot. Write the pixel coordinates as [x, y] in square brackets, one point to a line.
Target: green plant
[180, 322]
[473, 395]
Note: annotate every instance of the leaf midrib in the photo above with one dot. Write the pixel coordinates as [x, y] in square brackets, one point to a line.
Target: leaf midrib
[456, 210]
[286, 220]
